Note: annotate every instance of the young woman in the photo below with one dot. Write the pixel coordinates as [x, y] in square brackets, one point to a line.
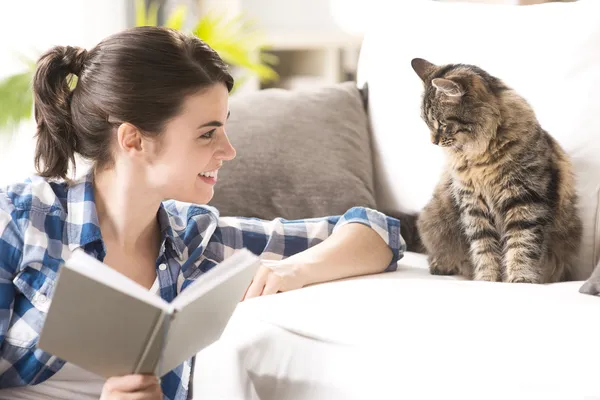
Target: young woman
[149, 109]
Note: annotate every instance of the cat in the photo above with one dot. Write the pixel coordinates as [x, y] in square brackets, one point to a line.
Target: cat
[506, 207]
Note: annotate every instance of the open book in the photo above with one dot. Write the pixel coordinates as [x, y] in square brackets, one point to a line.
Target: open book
[108, 324]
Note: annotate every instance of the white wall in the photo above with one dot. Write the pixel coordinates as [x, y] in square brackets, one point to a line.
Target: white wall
[284, 16]
[31, 27]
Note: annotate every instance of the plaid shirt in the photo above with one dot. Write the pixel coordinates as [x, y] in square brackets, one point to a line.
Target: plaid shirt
[41, 222]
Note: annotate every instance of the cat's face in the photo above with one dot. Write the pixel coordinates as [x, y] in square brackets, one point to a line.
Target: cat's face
[459, 105]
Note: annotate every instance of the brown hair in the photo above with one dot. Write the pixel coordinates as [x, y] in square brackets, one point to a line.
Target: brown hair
[140, 76]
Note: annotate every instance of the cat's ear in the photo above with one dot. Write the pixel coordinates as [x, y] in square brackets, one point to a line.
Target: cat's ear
[448, 87]
[423, 68]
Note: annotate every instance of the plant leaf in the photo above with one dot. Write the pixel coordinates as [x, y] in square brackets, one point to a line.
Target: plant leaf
[238, 43]
[152, 19]
[140, 13]
[146, 16]
[16, 99]
[175, 20]
[269, 58]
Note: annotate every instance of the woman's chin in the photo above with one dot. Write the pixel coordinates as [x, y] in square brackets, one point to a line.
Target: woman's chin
[203, 196]
[199, 196]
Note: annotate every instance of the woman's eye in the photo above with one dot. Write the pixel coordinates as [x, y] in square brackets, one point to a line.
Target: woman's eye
[209, 134]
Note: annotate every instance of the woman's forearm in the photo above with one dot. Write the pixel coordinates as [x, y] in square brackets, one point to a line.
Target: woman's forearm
[354, 249]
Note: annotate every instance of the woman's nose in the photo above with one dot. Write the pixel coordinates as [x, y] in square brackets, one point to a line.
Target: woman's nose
[226, 150]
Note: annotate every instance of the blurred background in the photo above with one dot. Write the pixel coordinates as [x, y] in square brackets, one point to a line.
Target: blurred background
[268, 43]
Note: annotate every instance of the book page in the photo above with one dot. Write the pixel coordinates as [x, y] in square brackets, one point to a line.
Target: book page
[94, 269]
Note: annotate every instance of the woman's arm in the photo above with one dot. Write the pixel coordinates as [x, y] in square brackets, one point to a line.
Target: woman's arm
[296, 253]
[354, 249]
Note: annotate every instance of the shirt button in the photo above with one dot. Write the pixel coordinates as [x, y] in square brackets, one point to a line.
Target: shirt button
[42, 299]
[162, 267]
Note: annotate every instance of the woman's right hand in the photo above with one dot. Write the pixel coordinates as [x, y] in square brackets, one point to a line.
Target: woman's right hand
[132, 387]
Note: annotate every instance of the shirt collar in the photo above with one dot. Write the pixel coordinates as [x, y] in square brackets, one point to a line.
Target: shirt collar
[82, 227]
[167, 233]
[190, 227]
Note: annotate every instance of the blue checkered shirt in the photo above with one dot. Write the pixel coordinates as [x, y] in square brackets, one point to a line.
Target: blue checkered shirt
[41, 222]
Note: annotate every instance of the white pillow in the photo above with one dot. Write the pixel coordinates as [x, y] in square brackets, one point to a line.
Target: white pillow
[549, 53]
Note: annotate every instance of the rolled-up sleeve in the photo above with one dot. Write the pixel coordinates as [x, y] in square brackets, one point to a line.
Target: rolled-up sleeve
[281, 238]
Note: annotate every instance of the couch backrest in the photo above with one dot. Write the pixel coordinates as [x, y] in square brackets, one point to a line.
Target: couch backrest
[550, 53]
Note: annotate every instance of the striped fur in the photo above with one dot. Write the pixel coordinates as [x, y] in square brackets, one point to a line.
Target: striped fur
[505, 209]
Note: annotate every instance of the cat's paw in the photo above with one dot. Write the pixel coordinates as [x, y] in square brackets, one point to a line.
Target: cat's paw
[523, 278]
[488, 276]
[591, 286]
[519, 279]
[438, 268]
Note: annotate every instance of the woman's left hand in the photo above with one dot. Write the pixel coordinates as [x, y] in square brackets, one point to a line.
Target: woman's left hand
[273, 277]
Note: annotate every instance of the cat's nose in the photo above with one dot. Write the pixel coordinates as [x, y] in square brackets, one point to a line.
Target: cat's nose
[435, 139]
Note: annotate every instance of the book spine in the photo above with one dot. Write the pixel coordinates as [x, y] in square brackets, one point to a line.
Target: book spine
[159, 370]
[156, 333]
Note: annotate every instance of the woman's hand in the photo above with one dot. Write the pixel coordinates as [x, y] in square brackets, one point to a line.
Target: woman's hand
[132, 387]
[273, 277]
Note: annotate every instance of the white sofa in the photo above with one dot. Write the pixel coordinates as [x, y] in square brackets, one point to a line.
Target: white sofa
[408, 334]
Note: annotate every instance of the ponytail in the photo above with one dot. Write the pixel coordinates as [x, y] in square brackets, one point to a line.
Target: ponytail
[56, 137]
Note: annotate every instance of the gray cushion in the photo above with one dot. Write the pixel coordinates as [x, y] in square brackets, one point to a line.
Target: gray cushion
[300, 154]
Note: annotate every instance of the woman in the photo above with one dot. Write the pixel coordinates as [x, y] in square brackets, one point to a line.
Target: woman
[149, 110]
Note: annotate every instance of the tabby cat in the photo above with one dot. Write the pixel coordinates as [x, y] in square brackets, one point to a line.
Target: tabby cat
[505, 208]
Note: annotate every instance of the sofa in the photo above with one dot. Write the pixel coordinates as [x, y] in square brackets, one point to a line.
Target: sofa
[408, 334]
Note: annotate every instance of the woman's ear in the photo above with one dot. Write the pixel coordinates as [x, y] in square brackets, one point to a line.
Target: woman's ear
[131, 141]
[129, 138]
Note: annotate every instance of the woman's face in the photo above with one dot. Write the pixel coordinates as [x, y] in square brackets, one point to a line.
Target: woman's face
[192, 149]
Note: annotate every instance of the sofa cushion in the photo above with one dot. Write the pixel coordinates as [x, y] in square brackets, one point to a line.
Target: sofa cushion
[300, 154]
[549, 53]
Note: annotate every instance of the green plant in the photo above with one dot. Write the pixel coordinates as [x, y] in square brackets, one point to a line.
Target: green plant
[237, 40]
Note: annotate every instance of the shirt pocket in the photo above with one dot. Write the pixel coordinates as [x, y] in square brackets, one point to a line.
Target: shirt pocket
[32, 301]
